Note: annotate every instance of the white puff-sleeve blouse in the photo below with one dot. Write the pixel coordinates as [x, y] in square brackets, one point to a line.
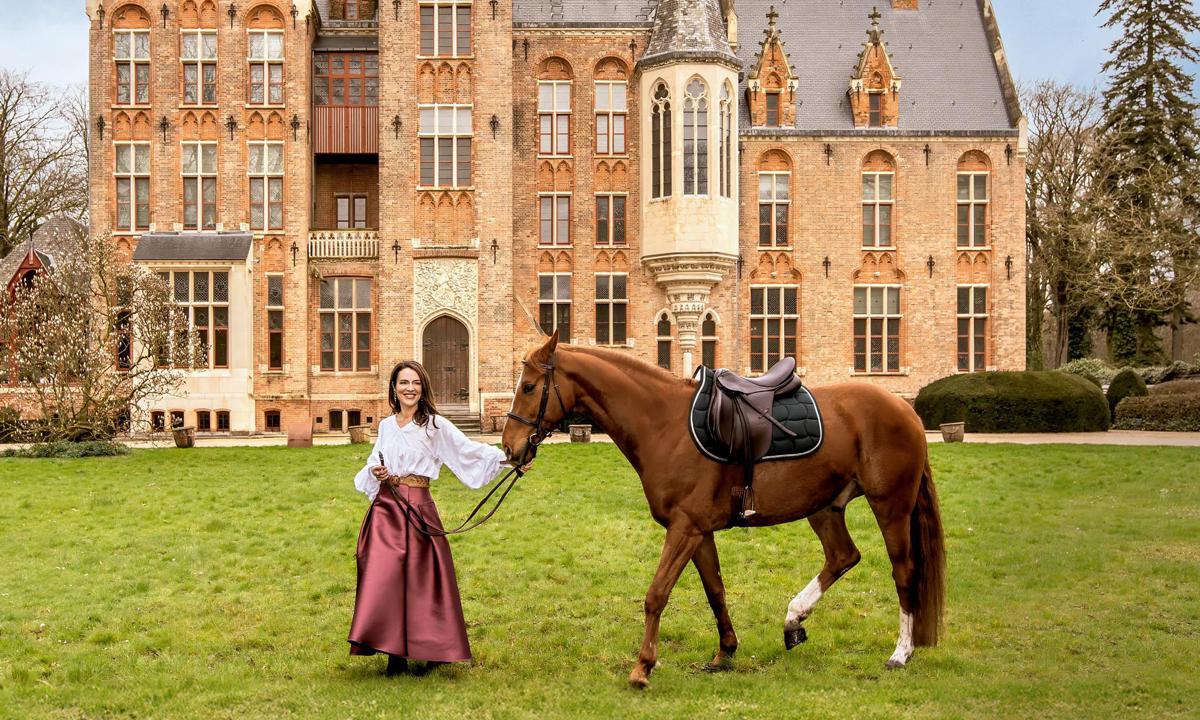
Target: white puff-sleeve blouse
[416, 450]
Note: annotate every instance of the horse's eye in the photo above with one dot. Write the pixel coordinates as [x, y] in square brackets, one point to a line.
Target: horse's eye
[528, 388]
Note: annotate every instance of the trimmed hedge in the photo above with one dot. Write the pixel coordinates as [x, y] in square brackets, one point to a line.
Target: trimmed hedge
[1015, 402]
[1127, 383]
[1171, 412]
[1094, 369]
[1177, 387]
[65, 449]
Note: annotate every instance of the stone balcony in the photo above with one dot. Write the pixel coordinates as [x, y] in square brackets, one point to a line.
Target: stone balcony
[356, 244]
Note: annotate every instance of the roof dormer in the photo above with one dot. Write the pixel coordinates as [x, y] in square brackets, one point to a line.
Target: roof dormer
[771, 84]
[875, 87]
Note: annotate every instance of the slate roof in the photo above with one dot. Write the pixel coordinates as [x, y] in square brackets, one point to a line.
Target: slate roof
[584, 13]
[193, 246]
[941, 52]
[688, 29]
[52, 238]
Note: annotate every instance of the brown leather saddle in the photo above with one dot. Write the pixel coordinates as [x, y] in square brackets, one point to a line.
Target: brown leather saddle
[740, 418]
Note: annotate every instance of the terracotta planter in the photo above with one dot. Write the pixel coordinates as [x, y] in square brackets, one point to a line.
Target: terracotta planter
[953, 432]
[581, 433]
[185, 437]
[360, 434]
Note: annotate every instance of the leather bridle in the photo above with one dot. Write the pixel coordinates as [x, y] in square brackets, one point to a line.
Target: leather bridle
[540, 433]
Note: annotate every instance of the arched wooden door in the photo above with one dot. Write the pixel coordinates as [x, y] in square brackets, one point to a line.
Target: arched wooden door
[447, 353]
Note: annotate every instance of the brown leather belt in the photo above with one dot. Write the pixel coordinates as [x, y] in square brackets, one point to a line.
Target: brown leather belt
[417, 481]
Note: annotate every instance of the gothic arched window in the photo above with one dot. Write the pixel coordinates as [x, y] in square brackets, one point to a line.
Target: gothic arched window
[660, 143]
[695, 139]
[726, 153]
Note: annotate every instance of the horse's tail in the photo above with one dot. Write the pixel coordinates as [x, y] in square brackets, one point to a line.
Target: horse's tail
[929, 558]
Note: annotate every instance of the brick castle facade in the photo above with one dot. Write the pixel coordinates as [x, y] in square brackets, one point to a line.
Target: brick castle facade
[333, 186]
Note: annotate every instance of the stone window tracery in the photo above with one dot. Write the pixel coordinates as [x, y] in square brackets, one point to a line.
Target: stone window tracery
[660, 142]
[725, 159]
[695, 138]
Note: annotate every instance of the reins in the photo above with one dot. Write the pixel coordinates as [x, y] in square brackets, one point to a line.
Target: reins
[537, 437]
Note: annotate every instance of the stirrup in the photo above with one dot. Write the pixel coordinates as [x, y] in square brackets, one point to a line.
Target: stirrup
[748, 503]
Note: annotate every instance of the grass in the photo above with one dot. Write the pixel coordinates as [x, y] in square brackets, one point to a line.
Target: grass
[218, 583]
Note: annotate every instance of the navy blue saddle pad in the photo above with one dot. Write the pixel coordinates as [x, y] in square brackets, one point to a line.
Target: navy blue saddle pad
[798, 413]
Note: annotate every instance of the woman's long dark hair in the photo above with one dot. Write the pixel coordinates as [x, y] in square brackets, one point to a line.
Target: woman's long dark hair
[426, 407]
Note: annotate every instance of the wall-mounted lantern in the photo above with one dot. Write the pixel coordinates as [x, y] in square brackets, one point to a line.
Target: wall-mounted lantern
[100, 13]
[395, 252]
[1008, 263]
[295, 125]
[231, 125]
[928, 151]
[232, 14]
[494, 124]
[1008, 153]
[828, 153]
[166, 12]
[295, 249]
[493, 3]
[495, 249]
[525, 44]
[826, 264]
[633, 48]
[930, 263]
[396, 8]
[100, 123]
[397, 124]
[164, 125]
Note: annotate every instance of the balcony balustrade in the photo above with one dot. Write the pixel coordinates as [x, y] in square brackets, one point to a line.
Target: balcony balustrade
[355, 244]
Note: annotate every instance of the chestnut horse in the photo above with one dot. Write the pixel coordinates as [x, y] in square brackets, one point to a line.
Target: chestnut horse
[874, 446]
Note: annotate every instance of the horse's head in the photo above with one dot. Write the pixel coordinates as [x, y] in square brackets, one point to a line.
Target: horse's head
[540, 402]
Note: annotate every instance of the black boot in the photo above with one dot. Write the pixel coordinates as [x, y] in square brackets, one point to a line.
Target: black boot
[397, 665]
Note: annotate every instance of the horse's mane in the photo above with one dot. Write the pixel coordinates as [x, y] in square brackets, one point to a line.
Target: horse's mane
[626, 361]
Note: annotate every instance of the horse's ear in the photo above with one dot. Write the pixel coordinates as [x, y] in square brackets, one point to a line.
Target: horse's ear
[552, 343]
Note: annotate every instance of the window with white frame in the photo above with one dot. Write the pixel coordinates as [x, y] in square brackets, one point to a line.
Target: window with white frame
[198, 52]
[346, 324]
[554, 117]
[132, 170]
[202, 300]
[610, 219]
[446, 28]
[611, 106]
[708, 341]
[972, 209]
[131, 51]
[663, 337]
[774, 317]
[877, 328]
[695, 138]
[774, 208]
[726, 151]
[612, 302]
[266, 186]
[274, 322]
[554, 303]
[266, 67]
[199, 165]
[877, 203]
[445, 138]
[554, 219]
[972, 328]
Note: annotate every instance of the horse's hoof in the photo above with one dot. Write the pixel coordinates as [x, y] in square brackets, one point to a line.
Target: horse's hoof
[637, 681]
[792, 638]
[894, 664]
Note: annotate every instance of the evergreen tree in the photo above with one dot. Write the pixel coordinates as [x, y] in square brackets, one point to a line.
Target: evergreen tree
[1147, 193]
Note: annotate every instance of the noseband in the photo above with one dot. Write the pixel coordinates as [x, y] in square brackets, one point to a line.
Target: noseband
[540, 433]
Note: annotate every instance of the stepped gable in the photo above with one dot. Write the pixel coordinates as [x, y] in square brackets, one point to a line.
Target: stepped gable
[691, 30]
[952, 81]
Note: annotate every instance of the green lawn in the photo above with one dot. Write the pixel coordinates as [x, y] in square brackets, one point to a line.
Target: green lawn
[219, 583]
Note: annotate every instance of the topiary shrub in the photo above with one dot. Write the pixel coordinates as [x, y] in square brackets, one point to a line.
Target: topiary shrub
[1015, 402]
[1170, 412]
[1126, 383]
[1177, 387]
[1094, 369]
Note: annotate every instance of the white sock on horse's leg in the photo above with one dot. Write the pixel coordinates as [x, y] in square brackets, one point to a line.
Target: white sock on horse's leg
[802, 605]
[904, 646]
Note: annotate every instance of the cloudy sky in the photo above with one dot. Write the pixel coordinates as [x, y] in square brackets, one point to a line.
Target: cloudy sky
[1059, 39]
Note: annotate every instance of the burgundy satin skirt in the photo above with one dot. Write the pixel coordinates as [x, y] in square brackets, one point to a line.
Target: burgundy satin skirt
[407, 602]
